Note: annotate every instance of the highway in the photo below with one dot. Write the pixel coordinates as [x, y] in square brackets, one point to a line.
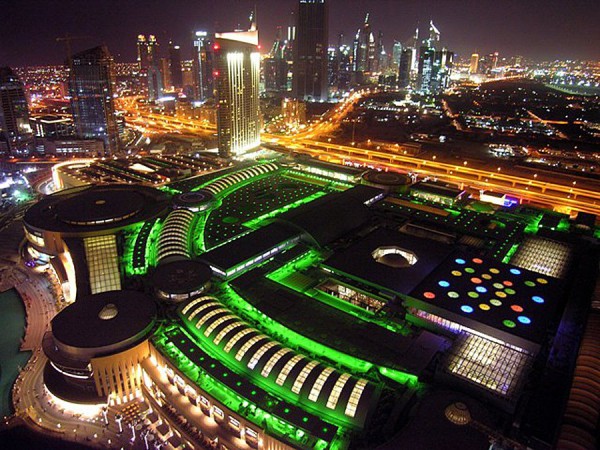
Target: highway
[564, 193]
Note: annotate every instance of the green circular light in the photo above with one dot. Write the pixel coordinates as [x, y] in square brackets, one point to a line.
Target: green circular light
[509, 324]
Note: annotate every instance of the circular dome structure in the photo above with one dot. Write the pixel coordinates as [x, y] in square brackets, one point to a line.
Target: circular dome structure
[181, 279]
[95, 207]
[195, 201]
[388, 181]
[458, 413]
[395, 257]
[103, 323]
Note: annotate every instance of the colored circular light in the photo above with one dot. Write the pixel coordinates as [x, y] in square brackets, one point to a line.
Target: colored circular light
[456, 273]
[537, 299]
[467, 309]
[542, 281]
[530, 283]
[453, 294]
[510, 291]
[444, 283]
[509, 323]
[507, 283]
[500, 294]
[484, 306]
[476, 280]
[477, 260]
[486, 276]
[473, 294]
[516, 308]
[460, 261]
[496, 302]
[481, 289]
[498, 285]
[429, 295]
[494, 271]
[524, 320]
[515, 271]
[469, 270]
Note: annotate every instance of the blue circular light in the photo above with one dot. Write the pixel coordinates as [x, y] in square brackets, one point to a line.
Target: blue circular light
[467, 309]
[537, 299]
[444, 283]
[515, 271]
[524, 320]
[460, 261]
[481, 289]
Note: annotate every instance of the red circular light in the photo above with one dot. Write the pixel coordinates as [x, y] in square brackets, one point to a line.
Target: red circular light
[507, 283]
[477, 260]
[476, 280]
[516, 308]
[429, 295]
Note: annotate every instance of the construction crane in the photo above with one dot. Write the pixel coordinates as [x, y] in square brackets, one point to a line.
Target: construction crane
[67, 38]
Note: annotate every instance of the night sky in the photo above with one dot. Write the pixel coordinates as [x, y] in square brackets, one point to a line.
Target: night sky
[540, 29]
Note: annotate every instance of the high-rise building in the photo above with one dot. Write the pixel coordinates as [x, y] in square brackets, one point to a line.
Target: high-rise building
[396, 54]
[474, 66]
[155, 82]
[405, 67]
[148, 64]
[15, 129]
[426, 62]
[275, 66]
[310, 51]
[237, 73]
[92, 97]
[165, 70]
[175, 65]
[365, 49]
[203, 66]
[142, 52]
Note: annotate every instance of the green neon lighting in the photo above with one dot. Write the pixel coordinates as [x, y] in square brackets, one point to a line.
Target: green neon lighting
[295, 340]
[283, 276]
[533, 225]
[170, 190]
[231, 399]
[152, 243]
[255, 223]
[510, 254]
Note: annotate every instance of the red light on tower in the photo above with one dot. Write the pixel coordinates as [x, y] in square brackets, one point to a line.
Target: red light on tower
[216, 73]
[216, 47]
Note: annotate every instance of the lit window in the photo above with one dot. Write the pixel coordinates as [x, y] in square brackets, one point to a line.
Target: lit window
[287, 369]
[302, 376]
[337, 390]
[273, 360]
[259, 353]
[355, 396]
[318, 386]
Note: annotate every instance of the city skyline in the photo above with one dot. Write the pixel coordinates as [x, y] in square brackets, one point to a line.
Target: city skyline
[539, 30]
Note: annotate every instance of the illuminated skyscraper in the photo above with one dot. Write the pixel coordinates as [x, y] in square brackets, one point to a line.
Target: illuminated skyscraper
[364, 48]
[426, 61]
[474, 66]
[203, 66]
[92, 97]
[175, 65]
[14, 113]
[142, 52]
[237, 73]
[310, 51]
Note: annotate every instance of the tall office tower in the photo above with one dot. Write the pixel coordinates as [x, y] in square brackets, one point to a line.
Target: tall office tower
[175, 65]
[444, 61]
[474, 66]
[165, 70]
[237, 77]
[142, 52]
[155, 82]
[434, 36]
[345, 66]
[275, 66]
[203, 66]
[152, 49]
[380, 61]
[396, 55]
[92, 97]
[14, 113]
[405, 67]
[310, 51]
[364, 48]
[426, 69]
[494, 60]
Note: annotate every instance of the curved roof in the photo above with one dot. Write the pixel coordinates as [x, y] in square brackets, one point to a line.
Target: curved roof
[96, 208]
[103, 321]
[181, 277]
